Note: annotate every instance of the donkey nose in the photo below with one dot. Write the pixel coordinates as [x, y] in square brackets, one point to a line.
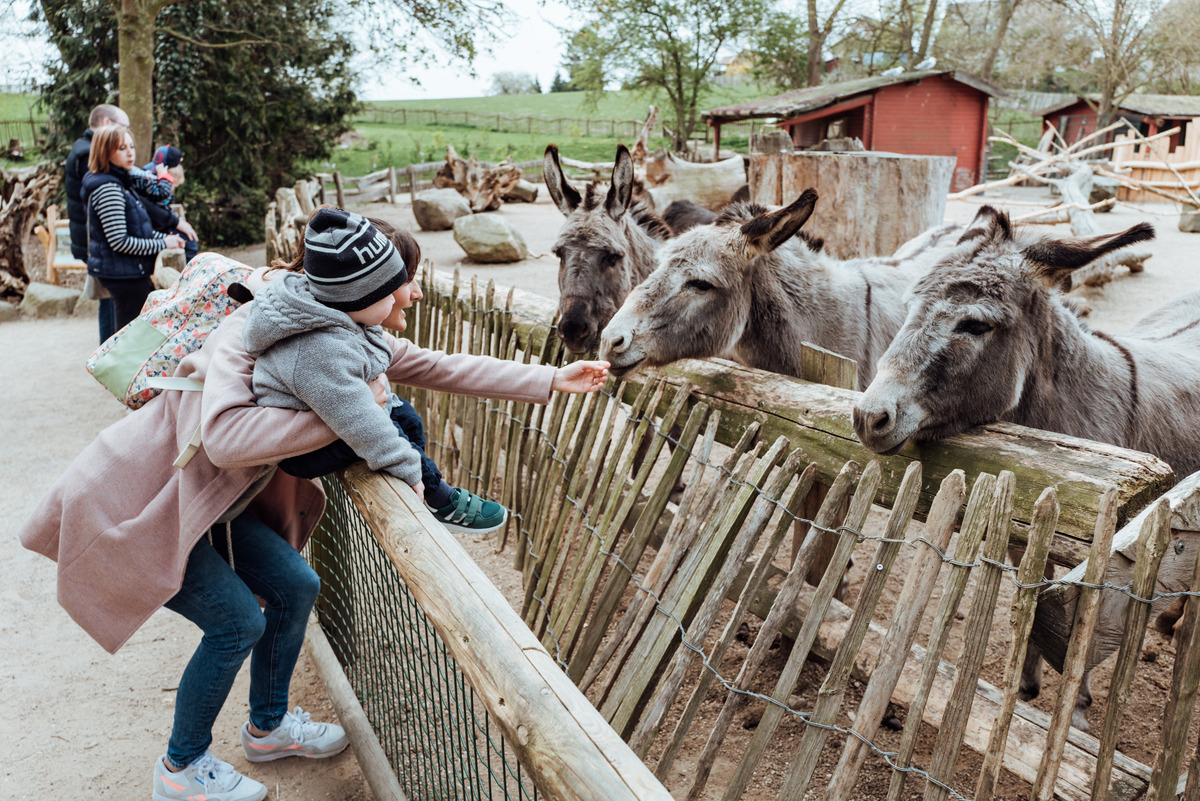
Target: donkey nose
[614, 344]
[575, 331]
[872, 423]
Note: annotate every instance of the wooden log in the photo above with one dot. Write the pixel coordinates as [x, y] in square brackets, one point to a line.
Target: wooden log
[1081, 635]
[707, 185]
[1152, 545]
[1056, 606]
[558, 736]
[883, 199]
[818, 419]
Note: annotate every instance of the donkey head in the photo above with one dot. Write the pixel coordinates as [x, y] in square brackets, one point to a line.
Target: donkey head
[697, 302]
[602, 250]
[977, 333]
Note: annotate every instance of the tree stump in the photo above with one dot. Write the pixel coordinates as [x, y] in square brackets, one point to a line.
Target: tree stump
[23, 195]
[483, 185]
[871, 202]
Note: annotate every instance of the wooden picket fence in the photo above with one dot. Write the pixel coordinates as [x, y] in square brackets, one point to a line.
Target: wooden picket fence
[1171, 165]
[663, 606]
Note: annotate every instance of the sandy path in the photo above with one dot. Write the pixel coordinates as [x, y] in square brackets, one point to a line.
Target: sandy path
[77, 722]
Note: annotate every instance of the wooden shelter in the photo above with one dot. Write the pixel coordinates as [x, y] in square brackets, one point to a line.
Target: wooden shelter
[927, 113]
[1075, 116]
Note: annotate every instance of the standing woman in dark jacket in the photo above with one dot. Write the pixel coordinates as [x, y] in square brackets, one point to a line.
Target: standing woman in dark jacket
[122, 244]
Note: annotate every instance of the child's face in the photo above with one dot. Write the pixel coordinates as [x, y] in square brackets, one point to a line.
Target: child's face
[405, 297]
[124, 154]
[376, 313]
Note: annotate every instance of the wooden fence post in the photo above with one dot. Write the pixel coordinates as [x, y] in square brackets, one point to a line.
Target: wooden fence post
[392, 185]
[412, 183]
[341, 194]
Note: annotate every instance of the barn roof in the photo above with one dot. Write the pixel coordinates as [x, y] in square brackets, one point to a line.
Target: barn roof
[1150, 105]
[811, 98]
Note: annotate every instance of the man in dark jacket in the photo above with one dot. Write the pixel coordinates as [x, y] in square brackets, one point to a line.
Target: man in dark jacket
[77, 167]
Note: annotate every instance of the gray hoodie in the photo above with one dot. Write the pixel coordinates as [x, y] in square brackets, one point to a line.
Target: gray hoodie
[312, 357]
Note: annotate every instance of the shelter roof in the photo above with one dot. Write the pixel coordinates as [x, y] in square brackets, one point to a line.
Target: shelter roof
[1150, 105]
[811, 98]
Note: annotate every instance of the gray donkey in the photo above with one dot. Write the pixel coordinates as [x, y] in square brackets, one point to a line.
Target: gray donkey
[989, 338]
[746, 288]
[605, 248]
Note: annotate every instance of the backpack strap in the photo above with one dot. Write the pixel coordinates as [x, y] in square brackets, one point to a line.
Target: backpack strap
[185, 385]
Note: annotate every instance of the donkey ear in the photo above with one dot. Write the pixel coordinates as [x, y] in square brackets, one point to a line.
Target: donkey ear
[565, 196]
[771, 229]
[989, 223]
[620, 194]
[1054, 259]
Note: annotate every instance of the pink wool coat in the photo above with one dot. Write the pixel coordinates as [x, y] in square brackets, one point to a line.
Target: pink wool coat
[121, 521]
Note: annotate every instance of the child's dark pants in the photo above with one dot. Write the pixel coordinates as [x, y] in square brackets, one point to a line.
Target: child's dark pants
[337, 455]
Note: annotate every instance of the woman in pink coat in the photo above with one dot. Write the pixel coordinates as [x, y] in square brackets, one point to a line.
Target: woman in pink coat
[127, 529]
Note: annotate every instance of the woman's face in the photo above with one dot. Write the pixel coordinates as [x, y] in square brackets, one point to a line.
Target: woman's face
[405, 297]
[123, 155]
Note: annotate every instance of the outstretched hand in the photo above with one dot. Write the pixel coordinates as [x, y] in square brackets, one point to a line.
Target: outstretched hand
[579, 377]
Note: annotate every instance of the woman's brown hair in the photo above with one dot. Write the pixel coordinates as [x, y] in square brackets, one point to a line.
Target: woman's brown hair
[404, 242]
[104, 142]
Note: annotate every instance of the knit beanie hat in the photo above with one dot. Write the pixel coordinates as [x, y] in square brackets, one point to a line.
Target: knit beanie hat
[171, 156]
[349, 264]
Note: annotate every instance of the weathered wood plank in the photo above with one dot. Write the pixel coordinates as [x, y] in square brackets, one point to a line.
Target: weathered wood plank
[556, 734]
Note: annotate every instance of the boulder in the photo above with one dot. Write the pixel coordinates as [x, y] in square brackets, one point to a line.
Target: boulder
[1189, 220]
[8, 312]
[522, 192]
[489, 238]
[48, 300]
[86, 307]
[437, 209]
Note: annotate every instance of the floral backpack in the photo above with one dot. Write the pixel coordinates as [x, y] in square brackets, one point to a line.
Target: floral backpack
[139, 361]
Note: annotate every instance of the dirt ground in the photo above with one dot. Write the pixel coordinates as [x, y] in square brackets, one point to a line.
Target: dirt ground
[77, 722]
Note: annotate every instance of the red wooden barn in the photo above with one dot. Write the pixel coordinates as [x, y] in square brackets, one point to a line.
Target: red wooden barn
[928, 113]
[1075, 118]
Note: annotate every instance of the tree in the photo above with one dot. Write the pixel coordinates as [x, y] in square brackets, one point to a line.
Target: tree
[818, 31]
[667, 46]
[781, 51]
[561, 84]
[243, 114]
[514, 83]
[1121, 32]
[1177, 60]
[414, 29]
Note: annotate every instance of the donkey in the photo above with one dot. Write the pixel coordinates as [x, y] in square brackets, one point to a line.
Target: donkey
[989, 338]
[605, 248]
[684, 215]
[746, 288]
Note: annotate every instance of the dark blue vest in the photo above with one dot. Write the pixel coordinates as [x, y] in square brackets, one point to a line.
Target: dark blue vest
[102, 261]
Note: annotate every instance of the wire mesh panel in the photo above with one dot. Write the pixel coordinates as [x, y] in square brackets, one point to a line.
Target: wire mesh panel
[437, 737]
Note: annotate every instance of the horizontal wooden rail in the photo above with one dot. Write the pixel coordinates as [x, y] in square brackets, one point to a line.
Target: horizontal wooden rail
[569, 750]
[817, 419]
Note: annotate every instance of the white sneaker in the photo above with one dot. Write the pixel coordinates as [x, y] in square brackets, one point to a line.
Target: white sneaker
[296, 735]
[206, 778]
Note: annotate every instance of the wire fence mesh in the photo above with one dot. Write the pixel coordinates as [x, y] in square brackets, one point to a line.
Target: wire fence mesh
[437, 737]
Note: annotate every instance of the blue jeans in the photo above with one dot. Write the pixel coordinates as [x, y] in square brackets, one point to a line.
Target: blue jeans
[221, 601]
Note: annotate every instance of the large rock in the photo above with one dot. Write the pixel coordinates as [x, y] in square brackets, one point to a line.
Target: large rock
[86, 307]
[8, 312]
[48, 300]
[1189, 220]
[489, 238]
[437, 209]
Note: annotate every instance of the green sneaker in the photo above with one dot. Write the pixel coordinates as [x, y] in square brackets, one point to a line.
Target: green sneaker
[469, 513]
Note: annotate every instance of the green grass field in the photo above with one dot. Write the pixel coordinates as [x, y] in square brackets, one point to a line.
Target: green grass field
[16, 107]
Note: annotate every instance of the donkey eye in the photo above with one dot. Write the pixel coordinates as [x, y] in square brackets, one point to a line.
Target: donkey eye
[698, 285]
[973, 327]
[609, 257]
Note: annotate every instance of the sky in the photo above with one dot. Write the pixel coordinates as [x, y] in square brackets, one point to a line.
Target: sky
[534, 45]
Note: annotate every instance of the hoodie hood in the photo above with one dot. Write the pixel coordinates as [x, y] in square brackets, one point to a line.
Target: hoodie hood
[285, 307]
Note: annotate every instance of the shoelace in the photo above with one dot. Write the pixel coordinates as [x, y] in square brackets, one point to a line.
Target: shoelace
[213, 773]
[298, 722]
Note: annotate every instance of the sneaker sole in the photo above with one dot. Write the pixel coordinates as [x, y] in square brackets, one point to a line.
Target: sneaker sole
[298, 753]
[160, 797]
[473, 529]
